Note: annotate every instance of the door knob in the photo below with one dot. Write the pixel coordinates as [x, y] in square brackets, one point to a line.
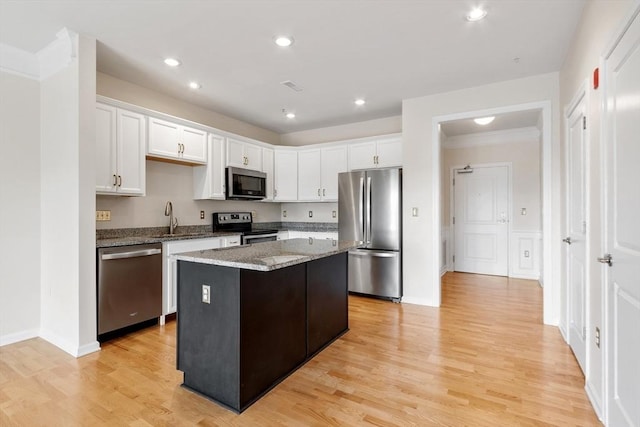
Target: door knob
[567, 240]
[606, 259]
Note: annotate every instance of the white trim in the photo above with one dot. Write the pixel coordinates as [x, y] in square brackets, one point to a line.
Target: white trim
[92, 347]
[550, 297]
[18, 336]
[527, 134]
[43, 64]
[531, 240]
[418, 301]
[596, 403]
[68, 347]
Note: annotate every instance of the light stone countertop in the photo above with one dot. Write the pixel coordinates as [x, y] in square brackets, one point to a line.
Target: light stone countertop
[268, 256]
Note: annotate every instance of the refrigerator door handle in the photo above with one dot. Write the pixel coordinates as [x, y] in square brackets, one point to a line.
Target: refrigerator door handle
[374, 254]
[363, 204]
[368, 211]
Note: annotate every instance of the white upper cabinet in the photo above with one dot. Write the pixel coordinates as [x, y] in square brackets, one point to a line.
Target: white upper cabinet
[379, 153]
[120, 151]
[209, 180]
[318, 171]
[243, 154]
[333, 161]
[172, 141]
[309, 180]
[267, 167]
[285, 175]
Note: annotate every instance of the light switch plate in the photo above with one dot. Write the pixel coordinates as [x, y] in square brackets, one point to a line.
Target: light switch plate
[333, 214]
[414, 211]
[310, 214]
[201, 214]
[206, 294]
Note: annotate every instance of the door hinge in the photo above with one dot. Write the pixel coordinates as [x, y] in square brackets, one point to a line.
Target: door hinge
[454, 181]
[584, 122]
[454, 258]
[454, 220]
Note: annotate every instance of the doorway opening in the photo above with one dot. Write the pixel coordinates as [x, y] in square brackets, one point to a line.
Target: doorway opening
[519, 134]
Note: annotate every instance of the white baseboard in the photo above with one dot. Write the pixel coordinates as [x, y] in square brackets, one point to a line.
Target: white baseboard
[534, 276]
[595, 401]
[65, 345]
[18, 336]
[563, 332]
[417, 301]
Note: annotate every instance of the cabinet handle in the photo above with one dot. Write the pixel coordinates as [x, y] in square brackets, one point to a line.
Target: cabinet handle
[275, 193]
[324, 192]
[182, 145]
[318, 192]
[119, 181]
[115, 180]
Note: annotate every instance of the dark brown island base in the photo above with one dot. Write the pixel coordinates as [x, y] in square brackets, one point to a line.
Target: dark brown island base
[250, 316]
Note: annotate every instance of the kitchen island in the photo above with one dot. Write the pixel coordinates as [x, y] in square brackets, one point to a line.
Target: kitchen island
[249, 316]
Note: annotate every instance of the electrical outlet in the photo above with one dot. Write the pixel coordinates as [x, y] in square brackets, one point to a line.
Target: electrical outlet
[333, 214]
[414, 211]
[310, 214]
[103, 215]
[284, 214]
[597, 337]
[201, 214]
[523, 211]
[206, 294]
[526, 254]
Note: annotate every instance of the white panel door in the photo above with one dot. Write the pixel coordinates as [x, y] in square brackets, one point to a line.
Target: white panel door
[481, 221]
[622, 241]
[194, 144]
[253, 155]
[163, 138]
[575, 250]
[309, 185]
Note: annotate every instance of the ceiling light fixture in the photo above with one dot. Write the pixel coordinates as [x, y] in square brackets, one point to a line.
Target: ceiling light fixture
[195, 85]
[476, 14]
[482, 121]
[290, 115]
[172, 62]
[283, 41]
[359, 101]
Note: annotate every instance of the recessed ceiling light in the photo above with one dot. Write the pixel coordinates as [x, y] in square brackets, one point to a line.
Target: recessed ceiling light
[172, 62]
[290, 115]
[476, 14]
[283, 41]
[484, 120]
[359, 101]
[195, 85]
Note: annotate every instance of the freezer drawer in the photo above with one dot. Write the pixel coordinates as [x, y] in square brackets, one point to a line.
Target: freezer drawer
[376, 273]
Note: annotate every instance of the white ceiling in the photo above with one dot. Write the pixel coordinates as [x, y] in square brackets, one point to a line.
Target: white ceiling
[382, 50]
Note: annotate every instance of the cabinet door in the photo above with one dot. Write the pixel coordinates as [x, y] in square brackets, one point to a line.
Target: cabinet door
[267, 167]
[106, 179]
[334, 161]
[389, 152]
[194, 145]
[131, 152]
[163, 139]
[309, 185]
[235, 153]
[362, 155]
[253, 157]
[208, 181]
[286, 175]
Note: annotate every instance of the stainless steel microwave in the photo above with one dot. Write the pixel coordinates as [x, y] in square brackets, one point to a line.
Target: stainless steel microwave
[245, 184]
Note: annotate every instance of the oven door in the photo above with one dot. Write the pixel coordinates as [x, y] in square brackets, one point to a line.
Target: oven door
[257, 238]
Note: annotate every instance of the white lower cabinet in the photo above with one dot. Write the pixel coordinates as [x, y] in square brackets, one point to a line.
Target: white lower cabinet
[170, 264]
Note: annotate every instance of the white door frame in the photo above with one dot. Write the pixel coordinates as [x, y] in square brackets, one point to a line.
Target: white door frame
[551, 290]
[451, 237]
[581, 97]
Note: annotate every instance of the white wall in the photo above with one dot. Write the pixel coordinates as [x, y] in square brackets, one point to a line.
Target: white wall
[20, 208]
[67, 262]
[384, 126]
[422, 176]
[299, 212]
[128, 92]
[600, 20]
[172, 182]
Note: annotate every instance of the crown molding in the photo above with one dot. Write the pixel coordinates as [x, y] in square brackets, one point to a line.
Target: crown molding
[526, 134]
[43, 64]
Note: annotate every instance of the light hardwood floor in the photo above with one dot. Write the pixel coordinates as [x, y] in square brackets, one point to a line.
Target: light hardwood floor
[483, 359]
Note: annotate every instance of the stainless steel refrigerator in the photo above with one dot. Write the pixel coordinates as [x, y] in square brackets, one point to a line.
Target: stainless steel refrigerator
[370, 210]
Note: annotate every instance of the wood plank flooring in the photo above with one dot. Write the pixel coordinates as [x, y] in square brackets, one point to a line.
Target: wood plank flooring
[483, 359]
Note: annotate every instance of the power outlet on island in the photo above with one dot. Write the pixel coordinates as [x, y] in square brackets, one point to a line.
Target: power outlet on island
[206, 294]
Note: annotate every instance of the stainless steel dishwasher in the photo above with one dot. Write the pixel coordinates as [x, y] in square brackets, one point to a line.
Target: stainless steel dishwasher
[129, 285]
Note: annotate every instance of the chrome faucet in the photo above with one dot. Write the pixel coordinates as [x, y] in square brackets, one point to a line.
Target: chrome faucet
[173, 222]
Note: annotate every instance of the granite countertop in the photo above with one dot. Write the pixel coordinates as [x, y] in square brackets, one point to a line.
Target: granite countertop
[141, 240]
[267, 256]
